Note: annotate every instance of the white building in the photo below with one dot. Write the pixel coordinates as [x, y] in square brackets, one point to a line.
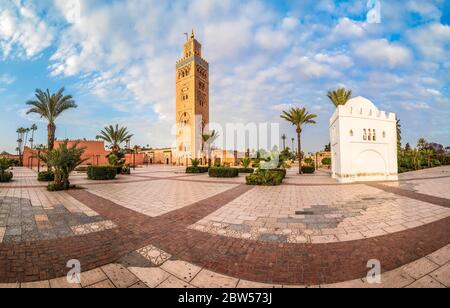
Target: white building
[363, 143]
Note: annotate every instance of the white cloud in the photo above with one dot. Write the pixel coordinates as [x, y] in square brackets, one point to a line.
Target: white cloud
[22, 32]
[425, 9]
[414, 106]
[272, 39]
[347, 28]
[6, 79]
[382, 53]
[290, 23]
[432, 40]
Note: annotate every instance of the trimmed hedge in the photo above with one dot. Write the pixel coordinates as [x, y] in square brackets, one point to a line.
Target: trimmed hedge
[101, 173]
[46, 176]
[5, 176]
[283, 172]
[308, 169]
[198, 169]
[265, 178]
[326, 161]
[223, 172]
[246, 170]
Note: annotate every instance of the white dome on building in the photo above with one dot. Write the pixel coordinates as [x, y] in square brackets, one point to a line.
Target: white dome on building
[360, 102]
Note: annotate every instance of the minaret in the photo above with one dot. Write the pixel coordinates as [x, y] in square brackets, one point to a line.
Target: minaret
[192, 101]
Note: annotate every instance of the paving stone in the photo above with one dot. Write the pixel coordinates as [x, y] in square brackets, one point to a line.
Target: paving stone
[92, 277]
[154, 255]
[152, 277]
[420, 268]
[174, 283]
[139, 285]
[208, 279]
[442, 275]
[119, 275]
[245, 284]
[183, 270]
[105, 284]
[426, 282]
[36, 285]
[442, 256]
[62, 283]
[9, 285]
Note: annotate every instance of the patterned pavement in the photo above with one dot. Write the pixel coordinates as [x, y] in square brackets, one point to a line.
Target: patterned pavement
[159, 223]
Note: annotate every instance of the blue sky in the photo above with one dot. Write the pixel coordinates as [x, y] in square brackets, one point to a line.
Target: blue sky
[117, 59]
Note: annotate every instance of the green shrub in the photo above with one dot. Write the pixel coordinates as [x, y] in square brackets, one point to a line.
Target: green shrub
[195, 162]
[283, 172]
[265, 178]
[102, 173]
[5, 176]
[198, 169]
[403, 169]
[246, 170]
[54, 187]
[46, 176]
[326, 161]
[246, 162]
[125, 170]
[309, 161]
[436, 163]
[5, 163]
[223, 172]
[308, 169]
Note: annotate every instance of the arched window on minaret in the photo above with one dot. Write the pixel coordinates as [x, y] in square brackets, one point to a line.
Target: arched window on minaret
[370, 135]
[365, 135]
[374, 137]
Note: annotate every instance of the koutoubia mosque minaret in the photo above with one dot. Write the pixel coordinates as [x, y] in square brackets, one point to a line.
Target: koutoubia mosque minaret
[192, 101]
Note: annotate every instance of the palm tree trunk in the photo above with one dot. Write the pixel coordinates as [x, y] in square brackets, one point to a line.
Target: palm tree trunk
[32, 139]
[51, 129]
[299, 152]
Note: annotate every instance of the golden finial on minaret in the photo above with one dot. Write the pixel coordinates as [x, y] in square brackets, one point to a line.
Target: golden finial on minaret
[192, 35]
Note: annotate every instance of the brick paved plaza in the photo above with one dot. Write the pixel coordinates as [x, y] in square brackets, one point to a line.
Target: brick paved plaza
[162, 228]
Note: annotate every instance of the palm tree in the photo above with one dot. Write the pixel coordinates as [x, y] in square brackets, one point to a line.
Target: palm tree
[429, 156]
[50, 106]
[299, 117]
[399, 135]
[115, 136]
[33, 128]
[284, 141]
[20, 135]
[208, 139]
[340, 96]
[27, 130]
[422, 143]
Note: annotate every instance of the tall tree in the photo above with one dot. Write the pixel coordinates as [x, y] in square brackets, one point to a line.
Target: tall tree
[33, 128]
[399, 136]
[50, 107]
[208, 139]
[422, 144]
[20, 135]
[115, 136]
[339, 96]
[299, 117]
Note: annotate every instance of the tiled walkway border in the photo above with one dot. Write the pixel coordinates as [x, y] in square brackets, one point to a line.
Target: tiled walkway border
[255, 261]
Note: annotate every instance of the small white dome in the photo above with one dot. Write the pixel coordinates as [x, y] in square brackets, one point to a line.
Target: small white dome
[360, 102]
